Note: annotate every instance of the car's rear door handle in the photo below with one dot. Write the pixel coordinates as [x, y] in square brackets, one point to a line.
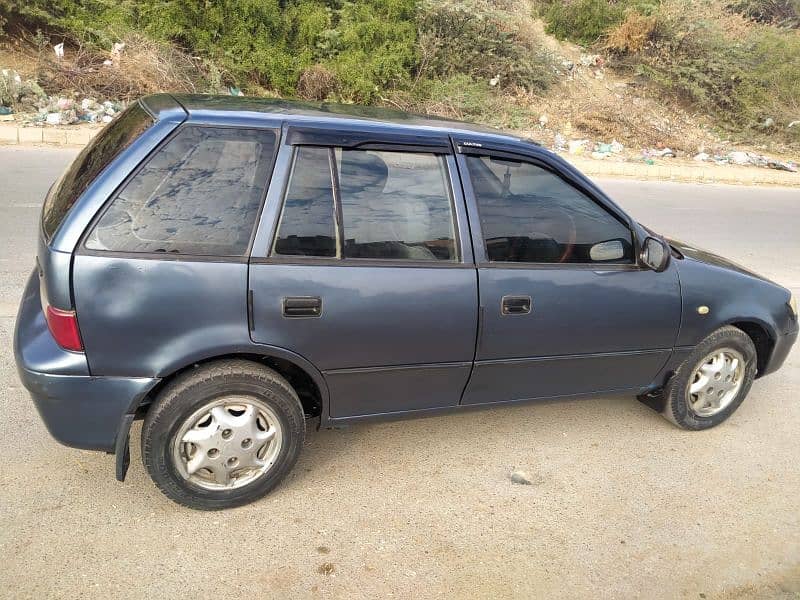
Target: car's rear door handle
[302, 306]
[516, 305]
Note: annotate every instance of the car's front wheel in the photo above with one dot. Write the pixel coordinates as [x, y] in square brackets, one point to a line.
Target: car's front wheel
[713, 381]
[222, 435]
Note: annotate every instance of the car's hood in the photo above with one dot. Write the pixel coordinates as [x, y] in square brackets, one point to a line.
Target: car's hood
[712, 259]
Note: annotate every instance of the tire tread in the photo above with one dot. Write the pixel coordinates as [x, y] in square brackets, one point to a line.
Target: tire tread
[675, 406]
[163, 410]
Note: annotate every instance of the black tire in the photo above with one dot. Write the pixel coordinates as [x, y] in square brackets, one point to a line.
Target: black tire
[187, 394]
[677, 408]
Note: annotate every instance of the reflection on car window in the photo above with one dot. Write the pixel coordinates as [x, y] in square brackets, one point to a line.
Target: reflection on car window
[395, 205]
[307, 226]
[104, 148]
[529, 214]
[199, 195]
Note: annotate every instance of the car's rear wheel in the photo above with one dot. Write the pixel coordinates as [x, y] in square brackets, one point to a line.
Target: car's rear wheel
[222, 435]
[713, 381]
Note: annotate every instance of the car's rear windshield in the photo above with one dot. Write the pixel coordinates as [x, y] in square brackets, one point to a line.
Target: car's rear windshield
[104, 148]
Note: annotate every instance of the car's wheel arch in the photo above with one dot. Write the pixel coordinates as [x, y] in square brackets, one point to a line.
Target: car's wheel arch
[761, 334]
[289, 364]
[759, 331]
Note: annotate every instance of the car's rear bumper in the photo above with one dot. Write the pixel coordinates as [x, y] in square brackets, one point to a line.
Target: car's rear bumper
[78, 409]
[84, 411]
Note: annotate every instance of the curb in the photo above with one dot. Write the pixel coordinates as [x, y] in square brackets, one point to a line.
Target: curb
[13, 135]
[681, 173]
[705, 173]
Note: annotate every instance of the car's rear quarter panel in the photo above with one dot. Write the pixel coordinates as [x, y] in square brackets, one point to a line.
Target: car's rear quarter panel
[147, 317]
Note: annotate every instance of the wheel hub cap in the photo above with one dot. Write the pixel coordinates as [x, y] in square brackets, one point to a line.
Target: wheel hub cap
[715, 382]
[228, 443]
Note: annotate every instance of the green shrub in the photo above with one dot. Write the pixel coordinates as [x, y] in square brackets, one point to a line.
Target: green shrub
[472, 37]
[586, 21]
[369, 45]
[739, 73]
[782, 13]
[464, 98]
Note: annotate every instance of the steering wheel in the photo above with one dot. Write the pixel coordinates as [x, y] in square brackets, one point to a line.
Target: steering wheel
[561, 226]
[572, 235]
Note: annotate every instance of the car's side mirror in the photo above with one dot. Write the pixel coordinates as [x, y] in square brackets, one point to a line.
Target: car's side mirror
[655, 254]
[605, 251]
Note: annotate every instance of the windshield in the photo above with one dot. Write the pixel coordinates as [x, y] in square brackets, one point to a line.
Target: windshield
[95, 157]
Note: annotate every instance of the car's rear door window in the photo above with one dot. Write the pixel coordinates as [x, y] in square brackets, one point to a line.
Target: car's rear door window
[91, 161]
[393, 205]
[199, 195]
[307, 226]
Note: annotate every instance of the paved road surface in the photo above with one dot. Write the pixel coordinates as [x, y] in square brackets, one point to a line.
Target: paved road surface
[624, 505]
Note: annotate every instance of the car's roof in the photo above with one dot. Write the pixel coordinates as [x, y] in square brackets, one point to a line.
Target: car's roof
[317, 112]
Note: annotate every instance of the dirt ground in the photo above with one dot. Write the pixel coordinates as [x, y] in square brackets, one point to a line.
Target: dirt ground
[623, 504]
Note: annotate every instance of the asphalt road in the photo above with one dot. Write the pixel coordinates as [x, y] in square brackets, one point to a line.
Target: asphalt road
[624, 505]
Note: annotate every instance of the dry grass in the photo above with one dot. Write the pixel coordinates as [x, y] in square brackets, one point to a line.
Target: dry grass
[317, 83]
[143, 67]
[632, 34]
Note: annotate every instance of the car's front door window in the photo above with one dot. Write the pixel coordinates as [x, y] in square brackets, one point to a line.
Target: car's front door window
[530, 215]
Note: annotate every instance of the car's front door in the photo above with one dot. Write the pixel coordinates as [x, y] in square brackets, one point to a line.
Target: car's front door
[359, 267]
[566, 309]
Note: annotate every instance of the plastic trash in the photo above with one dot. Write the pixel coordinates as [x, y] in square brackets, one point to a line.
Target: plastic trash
[659, 153]
[602, 148]
[59, 50]
[577, 146]
[701, 157]
[560, 143]
[592, 60]
[782, 166]
[739, 158]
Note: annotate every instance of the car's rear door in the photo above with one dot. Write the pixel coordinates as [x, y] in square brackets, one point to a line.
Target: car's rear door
[362, 264]
[566, 309]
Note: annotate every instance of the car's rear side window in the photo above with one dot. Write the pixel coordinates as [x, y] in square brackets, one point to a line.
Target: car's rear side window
[199, 195]
[393, 205]
[95, 157]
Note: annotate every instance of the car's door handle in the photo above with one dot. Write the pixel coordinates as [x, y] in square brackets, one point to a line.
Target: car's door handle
[302, 306]
[516, 305]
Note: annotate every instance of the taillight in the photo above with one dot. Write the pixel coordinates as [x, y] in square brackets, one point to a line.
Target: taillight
[63, 325]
